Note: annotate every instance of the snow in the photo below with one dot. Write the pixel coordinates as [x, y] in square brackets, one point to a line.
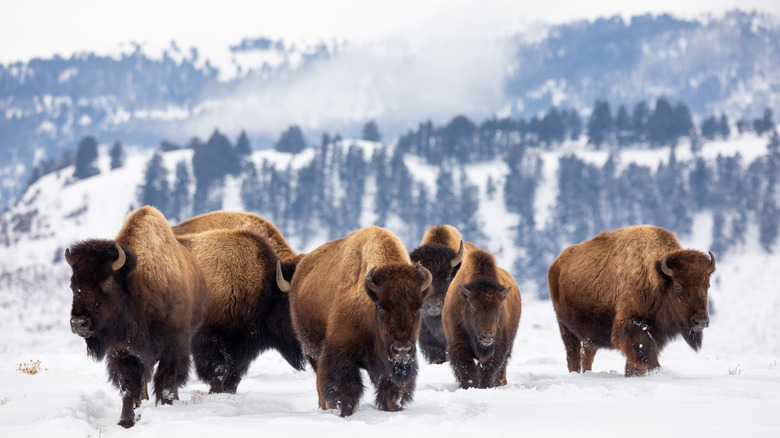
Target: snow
[715, 392]
[731, 387]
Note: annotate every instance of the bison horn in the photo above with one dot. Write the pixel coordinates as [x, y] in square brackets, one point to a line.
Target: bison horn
[666, 270]
[120, 261]
[370, 282]
[68, 257]
[428, 278]
[712, 261]
[464, 291]
[458, 257]
[283, 284]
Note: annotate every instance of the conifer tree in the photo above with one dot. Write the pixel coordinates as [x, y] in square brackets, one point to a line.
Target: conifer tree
[86, 157]
[243, 146]
[291, 141]
[155, 190]
[180, 197]
[117, 154]
[371, 132]
[600, 124]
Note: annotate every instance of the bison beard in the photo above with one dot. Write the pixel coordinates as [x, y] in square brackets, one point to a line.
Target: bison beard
[693, 338]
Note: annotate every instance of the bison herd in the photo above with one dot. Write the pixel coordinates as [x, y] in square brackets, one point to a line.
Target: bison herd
[225, 286]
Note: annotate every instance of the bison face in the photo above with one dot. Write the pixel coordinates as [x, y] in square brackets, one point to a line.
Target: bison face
[397, 292]
[99, 271]
[687, 280]
[484, 300]
[442, 262]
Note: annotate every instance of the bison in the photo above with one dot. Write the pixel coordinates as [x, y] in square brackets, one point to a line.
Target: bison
[355, 303]
[633, 289]
[137, 300]
[441, 252]
[238, 220]
[248, 308]
[480, 318]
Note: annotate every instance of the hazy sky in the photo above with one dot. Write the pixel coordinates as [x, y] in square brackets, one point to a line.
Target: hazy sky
[41, 28]
[407, 60]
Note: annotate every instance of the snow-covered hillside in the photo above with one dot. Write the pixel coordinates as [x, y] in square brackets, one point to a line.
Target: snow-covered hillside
[730, 388]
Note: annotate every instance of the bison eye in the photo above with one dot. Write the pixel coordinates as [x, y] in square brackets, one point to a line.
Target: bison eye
[678, 288]
[380, 309]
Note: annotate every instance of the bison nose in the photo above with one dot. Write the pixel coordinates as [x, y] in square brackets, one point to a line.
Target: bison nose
[402, 353]
[486, 339]
[79, 326]
[698, 323]
[434, 307]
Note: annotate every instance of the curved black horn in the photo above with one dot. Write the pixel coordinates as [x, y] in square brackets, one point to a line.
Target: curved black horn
[370, 282]
[283, 284]
[712, 261]
[68, 257]
[666, 270]
[120, 261]
[428, 278]
[458, 257]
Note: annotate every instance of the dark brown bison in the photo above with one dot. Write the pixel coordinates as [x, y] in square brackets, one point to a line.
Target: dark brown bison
[230, 220]
[634, 290]
[441, 252]
[137, 300]
[356, 304]
[480, 318]
[248, 307]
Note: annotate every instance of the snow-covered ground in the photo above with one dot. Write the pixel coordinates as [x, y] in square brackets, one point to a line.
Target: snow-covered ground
[730, 388]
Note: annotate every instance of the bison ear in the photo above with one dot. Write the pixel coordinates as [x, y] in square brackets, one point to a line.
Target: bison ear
[371, 288]
[464, 291]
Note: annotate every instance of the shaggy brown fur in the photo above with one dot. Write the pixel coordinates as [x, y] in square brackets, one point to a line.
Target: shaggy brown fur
[248, 310]
[140, 311]
[612, 292]
[441, 253]
[236, 220]
[480, 319]
[355, 304]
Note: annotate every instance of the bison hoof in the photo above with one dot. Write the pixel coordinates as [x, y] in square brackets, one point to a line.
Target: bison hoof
[347, 409]
[127, 422]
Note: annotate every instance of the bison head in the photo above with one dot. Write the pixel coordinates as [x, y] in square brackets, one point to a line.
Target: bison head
[484, 300]
[443, 263]
[397, 292]
[99, 280]
[687, 279]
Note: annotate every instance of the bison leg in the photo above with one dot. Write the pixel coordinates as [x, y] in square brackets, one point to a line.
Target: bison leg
[172, 372]
[320, 397]
[463, 366]
[213, 362]
[491, 370]
[127, 372]
[573, 347]
[635, 338]
[494, 370]
[433, 349]
[587, 354]
[339, 383]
